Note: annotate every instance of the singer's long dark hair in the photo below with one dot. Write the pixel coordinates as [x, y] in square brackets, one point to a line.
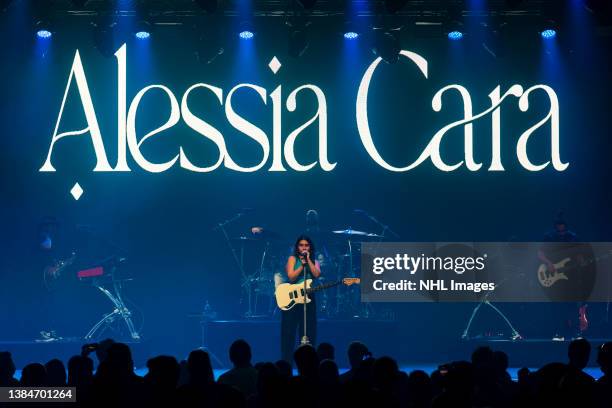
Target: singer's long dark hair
[306, 238]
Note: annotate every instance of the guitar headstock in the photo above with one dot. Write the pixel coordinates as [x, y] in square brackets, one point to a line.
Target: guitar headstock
[351, 281]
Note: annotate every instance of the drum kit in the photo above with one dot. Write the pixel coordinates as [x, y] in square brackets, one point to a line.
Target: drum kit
[338, 253]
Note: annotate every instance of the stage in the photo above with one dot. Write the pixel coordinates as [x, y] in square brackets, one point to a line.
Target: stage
[382, 338]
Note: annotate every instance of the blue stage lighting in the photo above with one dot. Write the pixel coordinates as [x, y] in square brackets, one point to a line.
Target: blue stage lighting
[246, 35]
[142, 35]
[351, 35]
[548, 34]
[455, 35]
[43, 34]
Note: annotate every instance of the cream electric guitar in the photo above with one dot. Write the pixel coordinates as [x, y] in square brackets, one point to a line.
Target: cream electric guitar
[288, 295]
[548, 279]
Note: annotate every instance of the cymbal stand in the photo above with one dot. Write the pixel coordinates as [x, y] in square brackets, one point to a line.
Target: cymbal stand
[367, 306]
[350, 247]
[385, 228]
[260, 274]
[351, 270]
[355, 299]
[239, 261]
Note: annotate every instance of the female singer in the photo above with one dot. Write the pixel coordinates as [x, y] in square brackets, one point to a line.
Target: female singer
[292, 320]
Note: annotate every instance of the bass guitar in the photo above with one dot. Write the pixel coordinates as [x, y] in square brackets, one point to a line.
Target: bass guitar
[564, 268]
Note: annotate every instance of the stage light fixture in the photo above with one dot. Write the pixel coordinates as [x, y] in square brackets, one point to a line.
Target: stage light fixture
[548, 34]
[351, 30]
[453, 24]
[386, 45]
[455, 35]
[246, 35]
[143, 30]
[44, 34]
[246, 30]
[142, 35]
[43, 29]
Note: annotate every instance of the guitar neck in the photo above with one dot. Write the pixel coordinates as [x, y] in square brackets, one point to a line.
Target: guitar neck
[324, 286]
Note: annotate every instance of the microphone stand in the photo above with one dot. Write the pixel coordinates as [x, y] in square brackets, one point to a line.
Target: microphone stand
[305, 339]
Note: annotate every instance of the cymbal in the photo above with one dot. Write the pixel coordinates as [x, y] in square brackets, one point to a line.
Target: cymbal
[265, 234]
[350, 231]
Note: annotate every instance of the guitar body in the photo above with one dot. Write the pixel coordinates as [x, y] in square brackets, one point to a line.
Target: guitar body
[289, 295]
[575, 266]
[547, 279]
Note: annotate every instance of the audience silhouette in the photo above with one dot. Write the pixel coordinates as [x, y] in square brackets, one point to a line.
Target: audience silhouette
[7, 370]
[243, 376]
[326, 351]
[481, 382]
[603, 387]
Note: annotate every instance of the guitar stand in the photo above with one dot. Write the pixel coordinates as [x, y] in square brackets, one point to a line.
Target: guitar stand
[121, 311]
